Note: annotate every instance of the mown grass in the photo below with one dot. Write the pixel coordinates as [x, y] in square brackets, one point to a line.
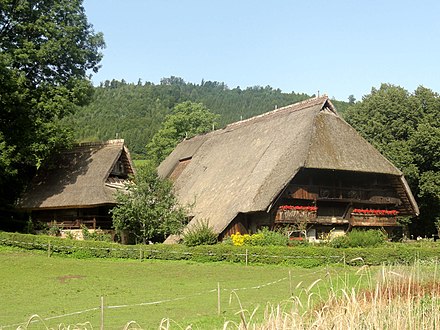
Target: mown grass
[36, 284]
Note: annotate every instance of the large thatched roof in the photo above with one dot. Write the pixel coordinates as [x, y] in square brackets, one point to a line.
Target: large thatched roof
[78, 178]
[243, 167]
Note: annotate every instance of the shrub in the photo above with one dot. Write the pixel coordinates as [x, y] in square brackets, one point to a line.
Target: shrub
[201, 233]
[301, 256]
[360, 238]
[239, 239]
[272, 238]
[263, 237]
[54, 229]
[96, 235]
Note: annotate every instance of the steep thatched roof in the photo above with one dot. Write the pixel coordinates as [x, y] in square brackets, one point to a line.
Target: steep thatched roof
[80, 177]
[243, 167]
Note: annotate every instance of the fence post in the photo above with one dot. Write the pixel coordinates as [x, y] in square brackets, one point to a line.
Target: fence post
[102, 313]
[246, 257]
[48, 250]
[141, 255]
[290, 284]
[218, 299]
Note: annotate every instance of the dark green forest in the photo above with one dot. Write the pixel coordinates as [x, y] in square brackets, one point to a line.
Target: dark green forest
[134, 112]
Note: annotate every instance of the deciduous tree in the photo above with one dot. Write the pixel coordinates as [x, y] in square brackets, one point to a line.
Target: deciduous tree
[187, 120]
[148, 209]
[47, 48]
[405, 127]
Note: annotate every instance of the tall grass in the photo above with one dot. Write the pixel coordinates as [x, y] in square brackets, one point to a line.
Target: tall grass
[400, 298]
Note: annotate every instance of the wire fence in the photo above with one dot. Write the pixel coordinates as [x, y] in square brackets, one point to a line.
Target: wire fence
[102, 307]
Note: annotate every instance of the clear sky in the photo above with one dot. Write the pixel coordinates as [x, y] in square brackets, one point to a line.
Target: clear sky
[333, 46]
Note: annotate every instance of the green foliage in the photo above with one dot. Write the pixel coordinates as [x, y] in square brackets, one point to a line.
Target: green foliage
[148, 208]
[96, 235]
[266, 237]
[263, 237]
[187, 120]
[303, 256]
[360, 238]
[54, 229]
[201, 233]
[47, 49]
[405, 127]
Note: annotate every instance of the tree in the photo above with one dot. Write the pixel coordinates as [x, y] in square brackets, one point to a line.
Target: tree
[351, 99]
[47, 48]
[148, 208]
[405, 127]
[187, 120]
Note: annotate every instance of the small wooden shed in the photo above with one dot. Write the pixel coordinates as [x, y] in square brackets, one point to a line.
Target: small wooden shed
[77, 187]
[300, 165]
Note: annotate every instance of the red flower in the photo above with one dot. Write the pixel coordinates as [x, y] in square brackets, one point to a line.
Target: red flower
[298, 208]
[375, 212]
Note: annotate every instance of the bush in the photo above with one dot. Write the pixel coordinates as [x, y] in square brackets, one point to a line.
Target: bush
[272, 238]
[360, 238]
[96, 235]
[200, 234]
[264, 237]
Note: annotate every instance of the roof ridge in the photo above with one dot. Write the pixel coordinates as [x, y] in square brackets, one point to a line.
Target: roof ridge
[291, 107]
[100, 143]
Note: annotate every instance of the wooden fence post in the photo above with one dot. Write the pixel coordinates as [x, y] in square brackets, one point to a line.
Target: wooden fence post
[48, 250]
[102, 313]
[218, 299]
[290, 284]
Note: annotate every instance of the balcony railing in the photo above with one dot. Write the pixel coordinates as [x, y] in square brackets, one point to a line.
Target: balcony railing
[373, 221]
[292, 215]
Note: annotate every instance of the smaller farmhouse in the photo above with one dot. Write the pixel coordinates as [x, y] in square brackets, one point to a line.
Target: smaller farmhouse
[300, 167]
[77, 187]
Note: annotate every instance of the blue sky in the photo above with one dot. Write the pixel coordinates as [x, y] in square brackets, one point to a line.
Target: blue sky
[335, 47]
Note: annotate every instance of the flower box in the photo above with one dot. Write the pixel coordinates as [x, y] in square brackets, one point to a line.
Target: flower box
[370, 212]
[376, 218]
[294, 214]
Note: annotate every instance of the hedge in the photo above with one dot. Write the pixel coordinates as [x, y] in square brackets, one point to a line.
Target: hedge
[304, 256]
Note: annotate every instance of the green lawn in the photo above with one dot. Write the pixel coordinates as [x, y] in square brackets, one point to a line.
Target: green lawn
[36, 284]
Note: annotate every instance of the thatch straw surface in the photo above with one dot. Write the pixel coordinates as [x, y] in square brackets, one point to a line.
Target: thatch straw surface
[75, 178]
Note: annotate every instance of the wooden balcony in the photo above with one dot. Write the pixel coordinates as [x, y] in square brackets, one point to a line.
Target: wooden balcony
[295, 216]
[372, 221]
[332, 193]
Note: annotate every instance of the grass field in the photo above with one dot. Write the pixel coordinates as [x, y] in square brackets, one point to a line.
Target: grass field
[186, 292]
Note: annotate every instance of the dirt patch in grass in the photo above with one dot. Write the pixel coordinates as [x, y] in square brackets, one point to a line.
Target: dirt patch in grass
[65, 278]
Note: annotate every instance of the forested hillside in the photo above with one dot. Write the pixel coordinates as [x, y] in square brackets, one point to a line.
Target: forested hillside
[135, 111]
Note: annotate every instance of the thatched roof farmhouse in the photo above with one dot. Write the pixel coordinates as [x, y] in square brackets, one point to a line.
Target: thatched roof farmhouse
[78, 186]
[298, 164]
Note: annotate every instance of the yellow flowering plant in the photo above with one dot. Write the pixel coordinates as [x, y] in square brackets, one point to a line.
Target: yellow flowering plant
[263, 237]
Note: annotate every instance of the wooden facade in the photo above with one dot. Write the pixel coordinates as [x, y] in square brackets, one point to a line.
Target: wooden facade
[333, 196]
[318, 201]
